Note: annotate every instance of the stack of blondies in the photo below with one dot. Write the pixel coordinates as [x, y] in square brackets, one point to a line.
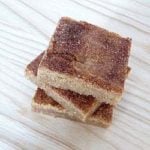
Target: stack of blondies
[82, 73]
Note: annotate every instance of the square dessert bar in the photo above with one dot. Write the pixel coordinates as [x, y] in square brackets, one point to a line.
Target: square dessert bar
[86, 59]
[80, 105]
[47, 105]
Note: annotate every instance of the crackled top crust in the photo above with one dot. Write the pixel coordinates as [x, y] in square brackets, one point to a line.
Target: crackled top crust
[88, 52]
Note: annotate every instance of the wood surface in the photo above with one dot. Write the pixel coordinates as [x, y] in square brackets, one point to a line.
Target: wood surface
[25, 29]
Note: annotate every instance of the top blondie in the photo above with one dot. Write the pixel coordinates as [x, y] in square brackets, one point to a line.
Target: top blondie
[86, 59]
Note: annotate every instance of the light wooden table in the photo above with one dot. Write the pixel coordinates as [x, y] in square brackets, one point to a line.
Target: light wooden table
[25, 29]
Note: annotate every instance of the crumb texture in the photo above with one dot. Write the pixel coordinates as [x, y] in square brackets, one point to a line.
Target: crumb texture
[82, 102]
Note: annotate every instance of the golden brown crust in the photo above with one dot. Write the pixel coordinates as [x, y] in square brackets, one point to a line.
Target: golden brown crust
[84, 103]
[103, 114]
[93, 54]
[40, 97]
[105, 111]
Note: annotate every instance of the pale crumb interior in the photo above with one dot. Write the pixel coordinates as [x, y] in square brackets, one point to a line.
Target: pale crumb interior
[61, 100]
[77, 85]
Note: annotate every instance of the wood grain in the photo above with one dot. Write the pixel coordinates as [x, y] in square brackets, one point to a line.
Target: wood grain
[25, 30]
